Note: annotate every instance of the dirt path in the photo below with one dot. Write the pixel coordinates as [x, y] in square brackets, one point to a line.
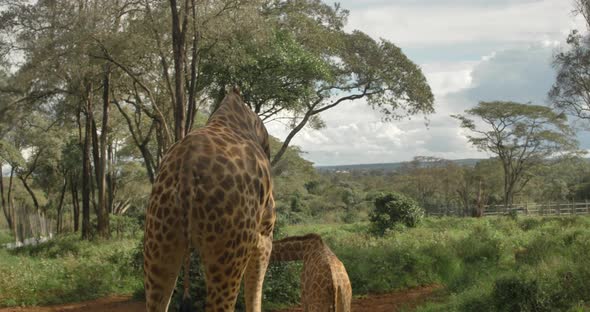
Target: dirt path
[378, 303]
[392, 302]
[110, 304]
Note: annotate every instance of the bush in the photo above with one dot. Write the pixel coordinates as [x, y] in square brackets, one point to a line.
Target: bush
[67, 269]
[392, 209]
[480, 246]
[59, 247]
[518, 294]
[125, 226]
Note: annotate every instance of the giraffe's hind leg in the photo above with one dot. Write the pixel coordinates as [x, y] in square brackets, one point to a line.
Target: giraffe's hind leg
[162, 263]
[224, 270]
[255, 272]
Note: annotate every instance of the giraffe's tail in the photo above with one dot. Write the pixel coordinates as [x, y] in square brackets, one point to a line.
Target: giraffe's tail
[187, 303]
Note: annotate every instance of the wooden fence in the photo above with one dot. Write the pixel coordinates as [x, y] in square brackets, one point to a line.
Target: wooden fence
[529, 209]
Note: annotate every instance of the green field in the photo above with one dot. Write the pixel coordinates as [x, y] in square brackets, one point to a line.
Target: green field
[491, 264]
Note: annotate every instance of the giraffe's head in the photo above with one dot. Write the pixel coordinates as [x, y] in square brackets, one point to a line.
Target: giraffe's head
[232, 109]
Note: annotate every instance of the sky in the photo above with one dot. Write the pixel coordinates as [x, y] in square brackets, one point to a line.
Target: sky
[469, 51]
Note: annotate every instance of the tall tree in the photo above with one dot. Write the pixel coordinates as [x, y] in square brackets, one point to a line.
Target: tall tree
[86, 167]
[571, 90]
[180, 19]
[103, 209]
[305, 64]
[522, 136]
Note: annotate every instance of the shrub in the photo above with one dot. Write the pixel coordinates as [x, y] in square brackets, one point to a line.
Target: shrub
[391, 209]
[480, 246]
[58, 247]
[282, 285]
[124, 226]
[515, 293]
[67, 269]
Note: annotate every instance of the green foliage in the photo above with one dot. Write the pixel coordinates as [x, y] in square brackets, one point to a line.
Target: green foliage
[482, 245]
[5, 237]
[517, 294]
[392, 209]
[522, 136]
[282, 285]
[568, 92]
[539, 264]
[64, 246]
[67, 270]
[479, 261]
[125, 226]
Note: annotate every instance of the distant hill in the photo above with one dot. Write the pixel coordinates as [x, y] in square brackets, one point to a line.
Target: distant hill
[388, 166]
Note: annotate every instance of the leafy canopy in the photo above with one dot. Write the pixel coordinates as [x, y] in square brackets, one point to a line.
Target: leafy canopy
[522, 136]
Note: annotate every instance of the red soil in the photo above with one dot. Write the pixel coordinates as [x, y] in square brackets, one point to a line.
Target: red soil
[391, 302]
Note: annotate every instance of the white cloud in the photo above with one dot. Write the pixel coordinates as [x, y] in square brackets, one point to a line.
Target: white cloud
[446, 78]
[476, 50]
[452, 22]
[356, 134]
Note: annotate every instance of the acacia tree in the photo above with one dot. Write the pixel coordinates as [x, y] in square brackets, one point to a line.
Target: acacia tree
[309, 65]
[522, 136]
[59, 76]
[571, 90]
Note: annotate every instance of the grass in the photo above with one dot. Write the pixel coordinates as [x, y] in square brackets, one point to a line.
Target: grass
[490, 264]
[67, 270]
[5, 237]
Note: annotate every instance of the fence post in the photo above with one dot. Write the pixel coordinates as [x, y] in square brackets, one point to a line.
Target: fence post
[573, 207]
[526, 208]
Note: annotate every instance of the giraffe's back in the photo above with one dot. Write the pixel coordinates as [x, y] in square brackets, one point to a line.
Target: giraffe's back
[212, 195]
[222, 182]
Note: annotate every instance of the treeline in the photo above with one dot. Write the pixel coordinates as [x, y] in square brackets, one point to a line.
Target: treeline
[439, 186]
[92, 93]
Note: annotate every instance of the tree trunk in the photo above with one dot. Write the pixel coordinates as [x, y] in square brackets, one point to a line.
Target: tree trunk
[102, 211]
[478, 213]
[192, 102]
[292, 134]
[60, 206]
[178, 48]
[142, 142]
[86, 175]
[5, 208]
[149, 161]
[111, 186]
[75, 203]
[30, 191]
[507, 174]
[15, 219]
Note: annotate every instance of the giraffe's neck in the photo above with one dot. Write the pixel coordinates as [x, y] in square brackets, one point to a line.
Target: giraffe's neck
[296, 247]
[233, 114]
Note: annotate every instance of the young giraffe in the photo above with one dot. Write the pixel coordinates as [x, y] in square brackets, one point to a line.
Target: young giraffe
[325, 283]
[213, 193]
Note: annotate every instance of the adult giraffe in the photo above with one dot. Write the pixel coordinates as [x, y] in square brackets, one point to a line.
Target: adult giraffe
[213, 193]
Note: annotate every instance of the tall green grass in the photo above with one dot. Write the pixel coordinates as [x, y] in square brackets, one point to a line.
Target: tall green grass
[66, 270]
[5, 237]
[489, 264]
